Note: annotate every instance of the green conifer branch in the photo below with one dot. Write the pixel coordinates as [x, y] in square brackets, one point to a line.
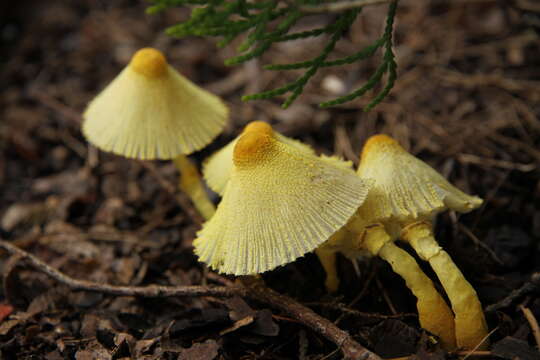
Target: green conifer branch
[303, 34]
[342, 24]
[230, 19]
[361, 55]
[389, 65]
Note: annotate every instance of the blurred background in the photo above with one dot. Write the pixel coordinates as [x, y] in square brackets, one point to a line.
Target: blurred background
[466, 100]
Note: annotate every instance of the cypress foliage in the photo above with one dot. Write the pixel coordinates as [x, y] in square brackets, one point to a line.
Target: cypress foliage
[229, 19]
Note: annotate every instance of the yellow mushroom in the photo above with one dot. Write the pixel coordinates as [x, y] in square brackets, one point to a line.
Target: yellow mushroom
[279, 203]
[150, 111]
[407, 195]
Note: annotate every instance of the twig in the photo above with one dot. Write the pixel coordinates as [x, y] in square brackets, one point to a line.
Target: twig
[343, 308]
[480, 243]
[386, 296]
[531, 285]
[340, 6]
[532, 322]
[503, 164]
[255, 290]
[528, 88]
[483, 341]
[365, 287]
[350, 348]
[141, 291]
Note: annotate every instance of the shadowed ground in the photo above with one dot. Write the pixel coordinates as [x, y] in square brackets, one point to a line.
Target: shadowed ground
[467, 101]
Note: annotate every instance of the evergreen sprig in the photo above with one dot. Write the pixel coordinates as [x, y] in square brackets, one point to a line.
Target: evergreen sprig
[267, 22]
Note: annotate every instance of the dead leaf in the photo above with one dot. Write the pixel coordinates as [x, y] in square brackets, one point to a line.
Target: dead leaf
[6, 326]
[75, 183]
[394, 338]
[512, 348]
[239, 309]
[69, 240]
[25, 214]
[264, 324]
[11, 282]
[5, 310]
[93, 351]
[207, 350]
[111, 211]
[237, 325]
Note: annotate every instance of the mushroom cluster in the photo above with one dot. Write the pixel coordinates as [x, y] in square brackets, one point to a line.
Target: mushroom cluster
[281, 200]
[406, 196]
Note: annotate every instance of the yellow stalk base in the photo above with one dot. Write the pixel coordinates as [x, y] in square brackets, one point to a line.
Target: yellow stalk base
[327, 258]
[471, 327]
[434, 314]
[190, 183]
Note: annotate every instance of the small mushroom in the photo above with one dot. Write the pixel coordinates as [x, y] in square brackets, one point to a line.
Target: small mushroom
[408, 194]
[150, 111]
[279, 203]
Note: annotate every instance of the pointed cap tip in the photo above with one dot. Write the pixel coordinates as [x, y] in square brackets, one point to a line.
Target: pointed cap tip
[252, 147]
[259, 126]
[378, 142]
[149, 62]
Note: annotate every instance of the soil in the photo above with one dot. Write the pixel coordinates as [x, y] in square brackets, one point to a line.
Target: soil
[467, 101]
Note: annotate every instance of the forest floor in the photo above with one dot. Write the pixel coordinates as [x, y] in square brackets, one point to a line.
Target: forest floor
[467, 101]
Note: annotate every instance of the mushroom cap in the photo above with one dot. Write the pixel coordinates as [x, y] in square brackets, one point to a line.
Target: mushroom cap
[150, 111]
[279, 203]
[217, 168]
[337, 161]
[406, 188]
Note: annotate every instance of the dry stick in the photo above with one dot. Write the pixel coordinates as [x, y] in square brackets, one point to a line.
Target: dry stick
[344, 309]
[142, 291]
[532, 285]
[475, 349]
[480, 243]
[532, 322]
[350, 348]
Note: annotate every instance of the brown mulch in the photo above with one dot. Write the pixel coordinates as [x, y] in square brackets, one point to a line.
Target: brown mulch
[467, 100]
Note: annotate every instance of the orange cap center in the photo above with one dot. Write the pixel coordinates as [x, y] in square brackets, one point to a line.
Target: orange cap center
[252, 148]
[259, 126]
[378, 143]
[149, 62]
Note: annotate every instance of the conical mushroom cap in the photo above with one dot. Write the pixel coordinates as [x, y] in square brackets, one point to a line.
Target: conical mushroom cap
[217, 168]
[406, 188]
[279, 203]
[150, 111]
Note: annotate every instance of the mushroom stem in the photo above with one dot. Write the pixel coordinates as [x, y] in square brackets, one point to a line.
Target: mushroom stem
[471, 327]
[433, 312]
[327, 257]
[190, 182]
